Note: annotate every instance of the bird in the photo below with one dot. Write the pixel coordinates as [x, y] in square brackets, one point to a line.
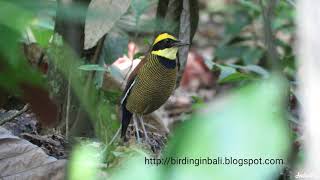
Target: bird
[152, 82]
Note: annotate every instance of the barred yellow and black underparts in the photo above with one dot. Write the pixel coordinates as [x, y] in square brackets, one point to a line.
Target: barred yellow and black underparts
[153, 80]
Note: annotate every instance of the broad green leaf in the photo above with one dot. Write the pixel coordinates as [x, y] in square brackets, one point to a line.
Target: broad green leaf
[247, 124]
[42, 35]
[232, 51]
[236, 77]
[225, 71]
[93, 67]
[257, 69]
[238, 21]
[246, 54]
[14, 16]
[14, 69]
[115, 46]
[252, 68]
[252, 55]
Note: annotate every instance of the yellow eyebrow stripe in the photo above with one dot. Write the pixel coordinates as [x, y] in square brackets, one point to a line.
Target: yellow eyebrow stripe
[162, 37]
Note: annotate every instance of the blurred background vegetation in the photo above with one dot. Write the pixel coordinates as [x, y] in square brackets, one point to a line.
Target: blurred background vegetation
[236, 95]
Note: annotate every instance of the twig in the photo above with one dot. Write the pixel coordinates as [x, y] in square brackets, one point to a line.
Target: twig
[40, 138]
[184, 35]
[7, 119]
[292, 3]
[267, 12]
[114, 137]
[68, 106]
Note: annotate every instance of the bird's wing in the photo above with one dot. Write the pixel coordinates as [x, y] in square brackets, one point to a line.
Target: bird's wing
[132, 80]
[126, 115]
[127, 90]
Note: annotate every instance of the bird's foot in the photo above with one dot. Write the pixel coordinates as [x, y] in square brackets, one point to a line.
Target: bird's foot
[135, 117]
[144, 129]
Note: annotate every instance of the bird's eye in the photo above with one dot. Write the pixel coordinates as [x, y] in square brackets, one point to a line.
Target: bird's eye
[168, 42]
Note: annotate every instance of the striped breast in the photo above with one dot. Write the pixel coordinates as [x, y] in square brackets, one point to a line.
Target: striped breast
[153, 85]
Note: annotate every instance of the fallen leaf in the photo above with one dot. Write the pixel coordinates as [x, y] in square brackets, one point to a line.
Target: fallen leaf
[19, 159]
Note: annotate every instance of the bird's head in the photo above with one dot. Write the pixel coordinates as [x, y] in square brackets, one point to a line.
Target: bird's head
[166, 45]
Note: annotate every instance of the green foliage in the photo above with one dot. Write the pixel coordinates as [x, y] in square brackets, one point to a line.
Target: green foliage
[14, 69]
[243, 39]
[247, 54]
[238, 73]
[42, 29]
[42, 35]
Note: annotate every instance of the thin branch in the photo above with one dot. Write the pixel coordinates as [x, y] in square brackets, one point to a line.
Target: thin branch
[68, 106]
[267, 12]
[292, 3]
[7, 119]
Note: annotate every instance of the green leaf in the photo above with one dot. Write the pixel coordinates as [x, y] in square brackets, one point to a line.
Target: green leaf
[14, 69]
[250, 5]
[225, 71]
[257, 69]
[232, 51]
[115, 46]
[237, 22]
[92, 67]
[229, 74]
[42, 35]
[247, 54]
[252, 68]
[248, 124]
[252, 55]
[236, 77]
[19, 17]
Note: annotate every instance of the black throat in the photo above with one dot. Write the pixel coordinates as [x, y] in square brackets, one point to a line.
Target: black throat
[170, 64]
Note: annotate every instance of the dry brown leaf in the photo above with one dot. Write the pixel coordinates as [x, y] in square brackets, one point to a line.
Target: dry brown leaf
[108, 12]
[19, 159]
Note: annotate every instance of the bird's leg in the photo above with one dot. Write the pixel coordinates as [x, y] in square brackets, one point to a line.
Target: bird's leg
[144, 128]
[135, 117]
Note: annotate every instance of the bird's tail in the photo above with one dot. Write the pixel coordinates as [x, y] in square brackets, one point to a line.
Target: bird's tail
[125, 120]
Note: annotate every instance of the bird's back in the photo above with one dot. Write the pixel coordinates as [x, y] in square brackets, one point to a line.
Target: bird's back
[153, 85]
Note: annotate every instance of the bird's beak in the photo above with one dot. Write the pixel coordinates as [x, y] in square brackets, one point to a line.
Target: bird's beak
[180, 43]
